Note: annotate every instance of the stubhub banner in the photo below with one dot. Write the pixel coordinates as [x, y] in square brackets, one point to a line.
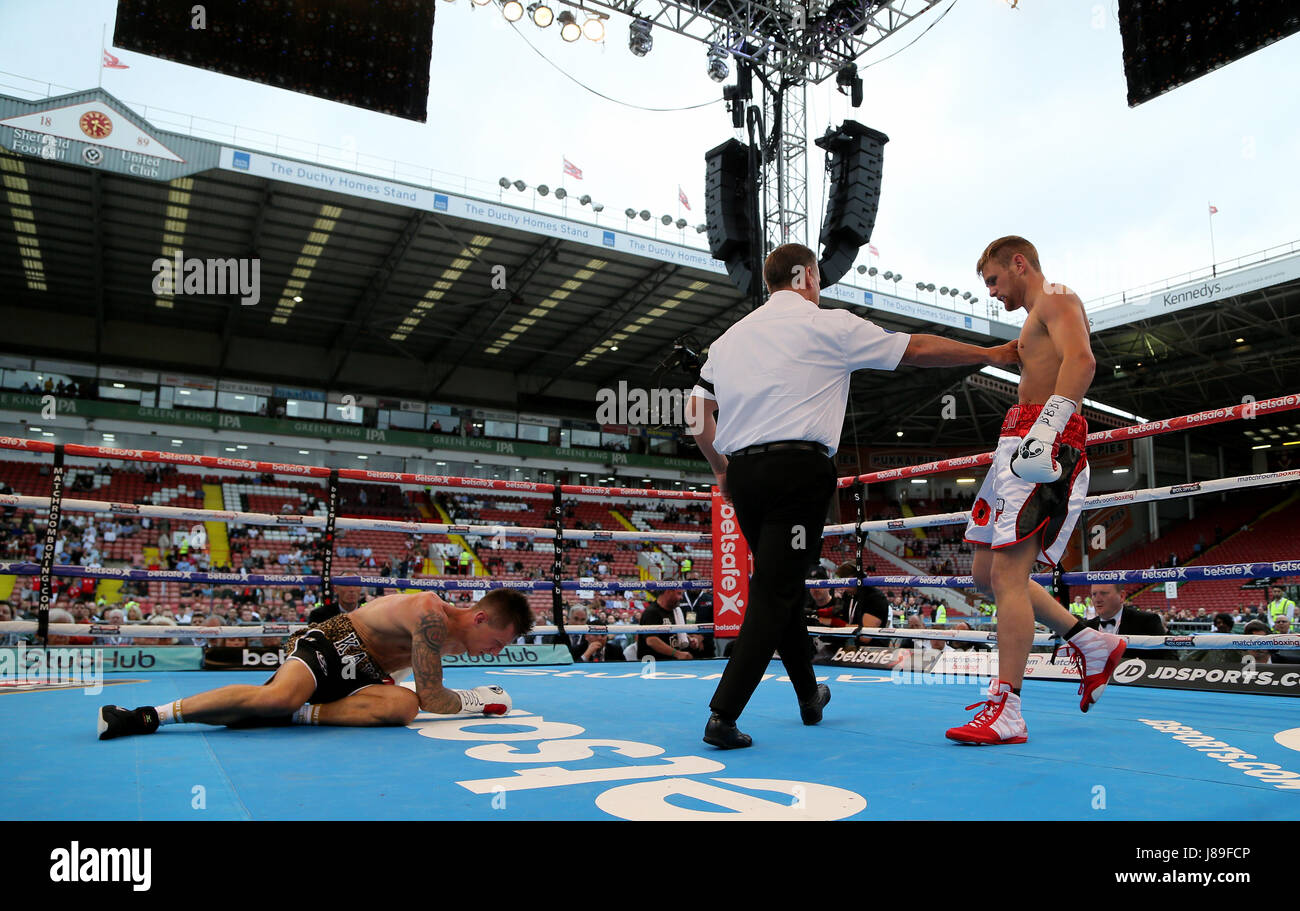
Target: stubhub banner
[513, 656]
[364, 186]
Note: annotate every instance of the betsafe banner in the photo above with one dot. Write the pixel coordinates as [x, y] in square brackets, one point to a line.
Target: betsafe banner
[732, 566]
[227, 658]
[863, 656]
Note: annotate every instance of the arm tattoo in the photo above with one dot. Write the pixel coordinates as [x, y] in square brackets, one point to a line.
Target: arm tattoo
[426, 662]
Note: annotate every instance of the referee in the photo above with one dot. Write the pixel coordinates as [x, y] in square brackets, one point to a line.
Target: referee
[767, 413]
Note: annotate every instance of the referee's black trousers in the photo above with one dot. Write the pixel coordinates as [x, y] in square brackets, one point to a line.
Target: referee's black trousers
[781, 500]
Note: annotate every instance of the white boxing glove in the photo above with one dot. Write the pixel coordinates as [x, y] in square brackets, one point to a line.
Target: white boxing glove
[484, 700]
[1035, 458]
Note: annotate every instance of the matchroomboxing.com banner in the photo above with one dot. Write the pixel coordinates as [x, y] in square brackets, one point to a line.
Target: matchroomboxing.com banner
[1264, 679]
[973, 663]
[227, 658]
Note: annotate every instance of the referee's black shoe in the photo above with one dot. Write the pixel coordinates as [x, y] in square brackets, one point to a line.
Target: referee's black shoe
[725, 735]
[811, 711]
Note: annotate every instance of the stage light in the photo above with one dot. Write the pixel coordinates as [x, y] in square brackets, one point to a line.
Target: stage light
[598, 207]
[681, 224]
[645, 214]
[584, 199]
[561, 193]
[848, 79]
[520, 186]
[718, 69]
[630, 213]
[504, 182]
[594, 28]
[569, 28]
[639, 40]
[542, 14]
[543, 189]
[667, 219]
[513, 10]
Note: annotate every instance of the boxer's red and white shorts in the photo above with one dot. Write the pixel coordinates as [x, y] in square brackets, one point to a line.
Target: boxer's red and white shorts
[1009, 510]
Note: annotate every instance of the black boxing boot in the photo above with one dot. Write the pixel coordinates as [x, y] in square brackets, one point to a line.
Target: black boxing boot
[116, 721]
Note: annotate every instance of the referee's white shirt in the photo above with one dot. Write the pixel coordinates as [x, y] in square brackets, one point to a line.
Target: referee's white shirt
[782, 372]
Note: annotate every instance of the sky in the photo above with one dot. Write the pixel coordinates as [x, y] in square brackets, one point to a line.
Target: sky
[1001, 121]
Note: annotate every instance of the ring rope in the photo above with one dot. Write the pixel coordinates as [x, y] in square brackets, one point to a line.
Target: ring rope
[1217, 641]
[1175, 574]
[299, 521]
[1126, 497]
[1244, 411]
[1130, 497]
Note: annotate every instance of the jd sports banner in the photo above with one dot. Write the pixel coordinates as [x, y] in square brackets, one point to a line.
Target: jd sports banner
[1265, 679]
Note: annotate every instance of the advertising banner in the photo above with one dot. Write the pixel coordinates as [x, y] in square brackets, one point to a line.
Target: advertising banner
[732, 566]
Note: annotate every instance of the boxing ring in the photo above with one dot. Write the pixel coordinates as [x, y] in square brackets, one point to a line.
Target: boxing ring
[623, 740]
[585, 744]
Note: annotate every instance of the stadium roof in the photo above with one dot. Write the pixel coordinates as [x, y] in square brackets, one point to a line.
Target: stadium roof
[431, 296]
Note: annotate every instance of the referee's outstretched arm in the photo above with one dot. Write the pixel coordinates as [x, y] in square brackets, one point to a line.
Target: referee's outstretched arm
[936, 351]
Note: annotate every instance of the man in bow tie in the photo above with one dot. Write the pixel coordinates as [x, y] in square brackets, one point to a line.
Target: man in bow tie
[1114, 616]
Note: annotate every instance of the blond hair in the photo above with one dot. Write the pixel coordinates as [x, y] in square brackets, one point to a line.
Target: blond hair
[1002, 249]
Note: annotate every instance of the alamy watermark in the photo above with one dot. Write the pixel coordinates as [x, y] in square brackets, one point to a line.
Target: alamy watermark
[21, 666]
[209, 276]
[75, 864]
[633, 406]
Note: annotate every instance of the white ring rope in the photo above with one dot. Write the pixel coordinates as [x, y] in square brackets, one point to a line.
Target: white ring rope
[274, 630]
[1126, 497]
[298, 521]
[1172, 491]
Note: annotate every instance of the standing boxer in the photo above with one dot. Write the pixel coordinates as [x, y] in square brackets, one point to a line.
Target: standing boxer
[1034, 490]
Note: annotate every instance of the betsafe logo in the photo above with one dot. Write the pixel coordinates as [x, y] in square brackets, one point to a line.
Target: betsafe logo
[1130, 671]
